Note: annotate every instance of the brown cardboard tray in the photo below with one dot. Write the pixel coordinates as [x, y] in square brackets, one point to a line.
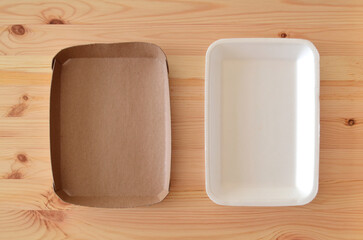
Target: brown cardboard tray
[110, 125]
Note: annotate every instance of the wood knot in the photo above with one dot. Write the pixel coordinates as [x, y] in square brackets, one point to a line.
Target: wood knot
[17, 29]
[17, 110]
[349, 122]
[14, 175]
[283, 35]
[56, 21]
[22, 158]
[52, 215]
[25, 97]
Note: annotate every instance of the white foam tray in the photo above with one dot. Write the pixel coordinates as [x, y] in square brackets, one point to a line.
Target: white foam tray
[262, 122]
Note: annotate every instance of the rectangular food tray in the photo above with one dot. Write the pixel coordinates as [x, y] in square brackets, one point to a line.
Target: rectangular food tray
[262, 122]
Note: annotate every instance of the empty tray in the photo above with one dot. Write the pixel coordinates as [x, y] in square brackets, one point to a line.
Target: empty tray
[262, 122]
[110, 125]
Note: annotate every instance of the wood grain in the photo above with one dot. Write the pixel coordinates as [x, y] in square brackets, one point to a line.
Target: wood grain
[31, 32]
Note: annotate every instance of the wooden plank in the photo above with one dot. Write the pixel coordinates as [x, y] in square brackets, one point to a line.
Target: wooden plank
[292, 12]
[12, 78]
[26, 64]
[36, 194]
[187, 166]
[192, 215]
[35, 69]
[191, 39]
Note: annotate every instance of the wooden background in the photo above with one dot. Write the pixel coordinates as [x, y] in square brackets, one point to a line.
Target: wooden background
[31, 32]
